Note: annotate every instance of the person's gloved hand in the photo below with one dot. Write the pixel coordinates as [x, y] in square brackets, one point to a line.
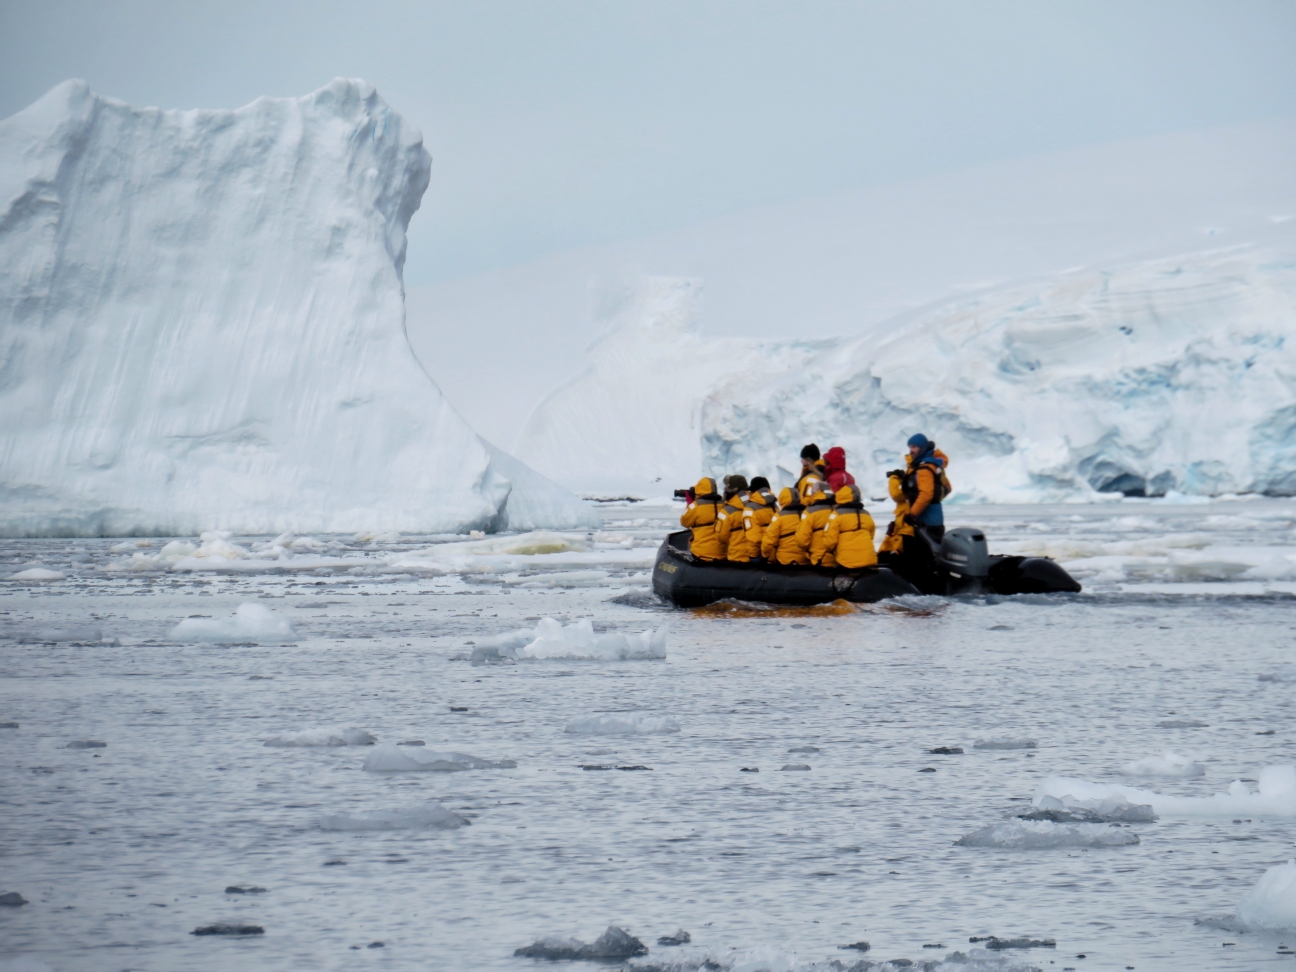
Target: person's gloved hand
[897, 473]
[891, 529]
[909, 519]
[688, 494]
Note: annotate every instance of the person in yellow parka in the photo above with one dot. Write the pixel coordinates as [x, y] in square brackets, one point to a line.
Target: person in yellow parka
[700, 517]
[729, 520]
[899, 528]
[849, 534]
[780, 543]
[813, 523]
[757, 516]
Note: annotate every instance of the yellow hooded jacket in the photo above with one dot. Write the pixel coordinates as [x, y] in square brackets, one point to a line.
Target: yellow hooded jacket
[849, 534]
[810, 534]
[756, 519]
[780, 541]
[898, 529]
[700, 517]
[729, 529]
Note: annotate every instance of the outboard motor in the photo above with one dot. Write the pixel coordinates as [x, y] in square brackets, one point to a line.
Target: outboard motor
[965, 559]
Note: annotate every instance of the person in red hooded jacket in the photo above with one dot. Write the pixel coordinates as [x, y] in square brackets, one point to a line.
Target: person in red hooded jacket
[835, 469]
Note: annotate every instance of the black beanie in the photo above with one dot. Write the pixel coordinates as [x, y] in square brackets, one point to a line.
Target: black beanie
[759, 482]
[810, 452]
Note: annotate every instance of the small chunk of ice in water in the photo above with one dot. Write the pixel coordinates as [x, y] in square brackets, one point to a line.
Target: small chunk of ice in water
[1168, 764]
[1017, 834]
[432, 817]
[624, 724]
[323, 737]
[1005, 742]
[252, 624]
[574, 642]
[1271, 904]
[388, 758]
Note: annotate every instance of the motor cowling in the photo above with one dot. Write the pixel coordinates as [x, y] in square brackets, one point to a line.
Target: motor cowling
[964, 552]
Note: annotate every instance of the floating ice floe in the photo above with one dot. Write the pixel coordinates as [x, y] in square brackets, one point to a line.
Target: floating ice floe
[323, 737]
[1107, 810]
[36, 575]
[1271, 904]
[1019, 834]
[1168, 764]
[1005, 742]
[252, 624]
[431, 817]
[624, 724]
[390, 758]
[574, 642]
[1276, 796]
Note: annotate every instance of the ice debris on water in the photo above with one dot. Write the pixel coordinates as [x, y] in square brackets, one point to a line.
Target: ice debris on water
[946, 751]
[36, 575]
[1271, 904]
[1168, 764]
[1276, 796]
[12, 899]
[323, 737]
[1018, 834]
[252, 624]
[1182, 724]
[244, 889]
[615, 943]
[795, 768]
[550, 639]
[432, 817]
[624, 724]
[1071, 810]
[681, 937]
[86, 744]
[389, 758]
[1005, 742]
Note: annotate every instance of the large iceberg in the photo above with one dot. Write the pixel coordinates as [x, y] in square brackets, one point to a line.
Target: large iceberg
[1169, 374]
[202, 326]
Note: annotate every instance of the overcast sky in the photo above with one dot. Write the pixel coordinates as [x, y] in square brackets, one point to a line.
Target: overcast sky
[557, 124]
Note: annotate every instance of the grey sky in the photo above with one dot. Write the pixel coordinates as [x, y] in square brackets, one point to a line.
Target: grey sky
[559, 124]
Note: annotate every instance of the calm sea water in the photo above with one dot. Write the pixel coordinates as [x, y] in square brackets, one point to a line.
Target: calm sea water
[123, 850]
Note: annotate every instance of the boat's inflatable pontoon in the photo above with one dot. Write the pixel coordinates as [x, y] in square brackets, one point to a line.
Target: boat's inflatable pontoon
[959, 564]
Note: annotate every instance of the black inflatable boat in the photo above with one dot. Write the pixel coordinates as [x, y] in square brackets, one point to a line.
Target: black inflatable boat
[958, 564]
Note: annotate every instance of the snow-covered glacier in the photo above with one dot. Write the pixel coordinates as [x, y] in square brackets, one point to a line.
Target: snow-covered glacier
[1160, 375]
[202, 325]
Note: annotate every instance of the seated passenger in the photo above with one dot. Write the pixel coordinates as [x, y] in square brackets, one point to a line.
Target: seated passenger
[849, 534]
[780, 541]
[812, 468]
[835, 469]
[729, 521]
[898, 528]
[700, 517]
[757, 516]
[810, 534]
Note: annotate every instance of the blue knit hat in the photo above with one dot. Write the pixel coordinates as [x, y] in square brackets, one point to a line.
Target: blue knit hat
[919, 440]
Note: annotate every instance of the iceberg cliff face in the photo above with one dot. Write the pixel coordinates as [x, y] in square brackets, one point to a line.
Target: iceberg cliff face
[202, 325]
[1170, 374]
